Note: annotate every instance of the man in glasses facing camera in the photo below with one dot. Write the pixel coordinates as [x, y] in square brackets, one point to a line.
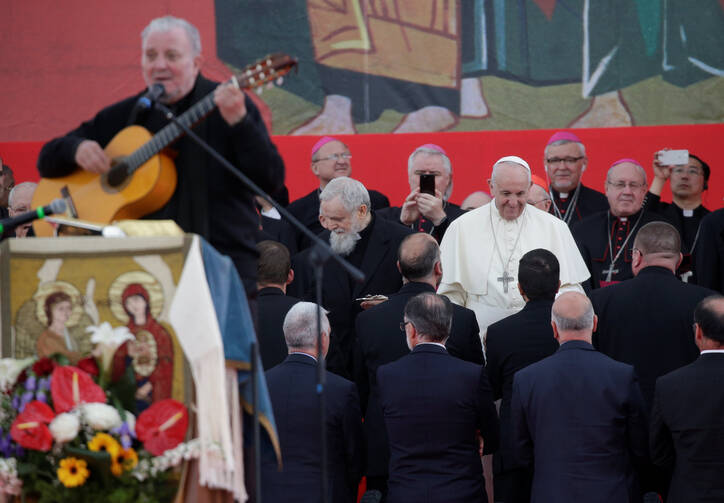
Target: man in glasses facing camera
[606, 238]
[565, 161]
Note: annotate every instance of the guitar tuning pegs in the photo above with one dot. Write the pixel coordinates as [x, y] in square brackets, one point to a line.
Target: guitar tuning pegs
[280, 81]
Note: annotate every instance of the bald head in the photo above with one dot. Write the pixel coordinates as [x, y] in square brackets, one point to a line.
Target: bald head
[538, 197]
[572, 317]
[657, 244]
[419, 258]
[476, 200]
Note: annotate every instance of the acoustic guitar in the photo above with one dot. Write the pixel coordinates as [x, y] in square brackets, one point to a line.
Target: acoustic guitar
[143, 176]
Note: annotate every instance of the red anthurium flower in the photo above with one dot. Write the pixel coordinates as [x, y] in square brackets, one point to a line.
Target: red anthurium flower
[30, 428]
[72, 386]
[162, 426]
[89, 365]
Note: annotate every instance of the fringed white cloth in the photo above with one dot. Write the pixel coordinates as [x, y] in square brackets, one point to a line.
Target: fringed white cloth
[193, 317]
[237, 439]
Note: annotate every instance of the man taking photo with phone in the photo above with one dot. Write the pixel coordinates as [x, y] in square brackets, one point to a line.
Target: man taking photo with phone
[689, 176]
[426, 208]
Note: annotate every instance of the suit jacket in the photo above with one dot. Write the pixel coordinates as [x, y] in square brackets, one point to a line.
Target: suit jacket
[380, 341]
[433, 404]
[379, 264]
[272, 307]
[514, 343]
[579, 418]
[590, 201]
[687, 429]
[451, 210]
[709, 252]
[306, 210]
[591, 235]
[646, 322]
[292, 388]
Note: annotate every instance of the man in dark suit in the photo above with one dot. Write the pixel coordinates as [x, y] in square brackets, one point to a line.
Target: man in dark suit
[330, 159]
[433, 406]
[367, 242]
[578, 417]
[274, 273]
[379, 341]
[709, 253]
[646, 321]
[292, 388]
[424, 211]
[517, 341]
[687, 420]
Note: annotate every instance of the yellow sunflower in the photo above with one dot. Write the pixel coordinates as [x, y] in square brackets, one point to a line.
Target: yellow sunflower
[73, 472]
[127, 458]
[105, 442]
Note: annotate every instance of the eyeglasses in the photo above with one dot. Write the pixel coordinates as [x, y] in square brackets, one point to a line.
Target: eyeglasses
[566, 160]
[423, 172]
[689, 171]
[623, 185]
[636, 250]
[403, 324]
[335, 157]
[538, 202]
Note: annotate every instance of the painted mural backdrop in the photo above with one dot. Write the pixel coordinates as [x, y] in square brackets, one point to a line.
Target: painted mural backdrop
[433, 65]
[378, 66]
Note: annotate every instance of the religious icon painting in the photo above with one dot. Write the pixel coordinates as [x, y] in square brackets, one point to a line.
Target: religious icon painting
[56, 292]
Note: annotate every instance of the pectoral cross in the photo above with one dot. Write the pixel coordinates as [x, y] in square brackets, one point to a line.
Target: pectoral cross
[609, 272]
[505, 279]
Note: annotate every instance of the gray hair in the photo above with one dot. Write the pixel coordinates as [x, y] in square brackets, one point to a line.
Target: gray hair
[351, 192]
[558, 143]
[166, 23]
[499, 163]
[300, 325]
[431, 315]
[20, 187]
[582, 322]
[445, 162]
[640, 169]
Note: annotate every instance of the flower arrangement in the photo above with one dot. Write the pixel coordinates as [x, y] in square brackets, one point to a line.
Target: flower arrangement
[65, 438]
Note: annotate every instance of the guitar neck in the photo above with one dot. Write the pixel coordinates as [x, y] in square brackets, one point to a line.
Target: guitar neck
[170, 133]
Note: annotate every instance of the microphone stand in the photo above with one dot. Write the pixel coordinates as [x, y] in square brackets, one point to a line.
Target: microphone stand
[319, 255]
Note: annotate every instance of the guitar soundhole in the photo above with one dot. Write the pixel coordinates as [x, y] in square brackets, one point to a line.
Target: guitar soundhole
[118, 177]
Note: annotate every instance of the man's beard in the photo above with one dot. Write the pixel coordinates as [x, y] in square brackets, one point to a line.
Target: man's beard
[345, 242]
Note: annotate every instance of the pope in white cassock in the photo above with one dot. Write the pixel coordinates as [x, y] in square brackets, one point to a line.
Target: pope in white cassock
[481, 249]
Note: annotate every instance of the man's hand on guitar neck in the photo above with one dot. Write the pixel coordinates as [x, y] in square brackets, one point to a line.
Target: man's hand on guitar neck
[230, 100]
[91, 157]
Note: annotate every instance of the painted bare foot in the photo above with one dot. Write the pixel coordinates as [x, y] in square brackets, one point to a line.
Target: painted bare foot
[426, 120]
[335, 118]
[472, 101]
[606, 110]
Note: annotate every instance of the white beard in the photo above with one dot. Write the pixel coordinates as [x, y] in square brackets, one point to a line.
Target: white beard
[343, 242]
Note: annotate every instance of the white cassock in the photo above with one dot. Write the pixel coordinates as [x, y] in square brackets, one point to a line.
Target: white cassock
[472, 268]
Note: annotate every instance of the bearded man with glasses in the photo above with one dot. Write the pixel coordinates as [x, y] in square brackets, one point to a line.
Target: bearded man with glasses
[606, 238]
[330, 159]
[565, 161]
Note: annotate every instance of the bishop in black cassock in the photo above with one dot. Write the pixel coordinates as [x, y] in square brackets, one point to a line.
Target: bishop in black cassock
[565, 161]
[605, 239]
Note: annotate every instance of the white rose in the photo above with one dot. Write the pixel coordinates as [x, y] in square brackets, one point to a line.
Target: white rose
[100, 416]
[64, 427]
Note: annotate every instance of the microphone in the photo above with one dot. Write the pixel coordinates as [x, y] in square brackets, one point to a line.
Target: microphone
[154, 93]
[56, 206]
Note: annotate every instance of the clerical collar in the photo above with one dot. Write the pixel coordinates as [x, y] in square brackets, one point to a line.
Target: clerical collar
[563, 195]
[435, 343]
[712, 351]
[688, 213]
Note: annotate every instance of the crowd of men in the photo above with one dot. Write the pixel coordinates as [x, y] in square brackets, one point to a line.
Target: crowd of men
[582, 304]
